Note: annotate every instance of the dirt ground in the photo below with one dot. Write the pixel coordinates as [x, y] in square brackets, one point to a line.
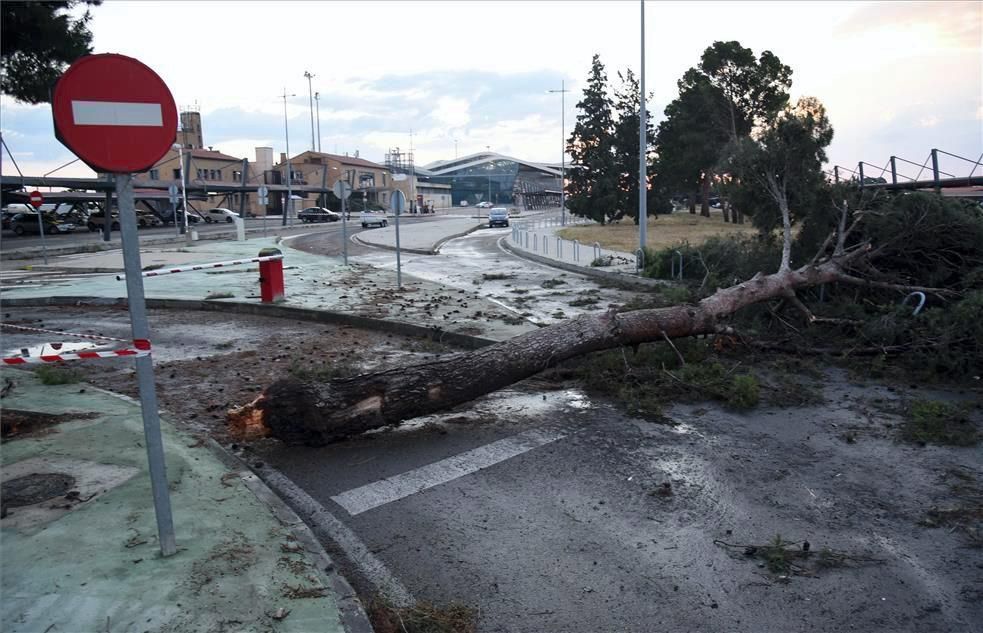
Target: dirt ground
[728, 499]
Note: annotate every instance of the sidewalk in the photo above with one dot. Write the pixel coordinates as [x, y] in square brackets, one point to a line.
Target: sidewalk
[80, 549]
[538, 237]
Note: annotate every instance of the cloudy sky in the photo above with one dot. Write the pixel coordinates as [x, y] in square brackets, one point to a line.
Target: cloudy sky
[896, 78]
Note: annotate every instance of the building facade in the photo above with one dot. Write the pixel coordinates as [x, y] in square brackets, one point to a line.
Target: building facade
[496, 178]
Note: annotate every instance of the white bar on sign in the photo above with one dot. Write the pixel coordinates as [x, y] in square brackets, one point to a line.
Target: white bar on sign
[117, 113]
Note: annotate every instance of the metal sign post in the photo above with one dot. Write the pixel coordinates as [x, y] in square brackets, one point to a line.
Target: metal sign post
[262, 192]
[36, 200]
[172, 196]
[145, 369]
[398, 204]
[343, 190]
[121, 127]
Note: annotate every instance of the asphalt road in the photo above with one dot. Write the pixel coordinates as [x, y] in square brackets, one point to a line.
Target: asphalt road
[545, 511]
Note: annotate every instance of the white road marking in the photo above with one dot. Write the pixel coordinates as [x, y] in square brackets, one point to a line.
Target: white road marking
[117, 113]
[369, 496]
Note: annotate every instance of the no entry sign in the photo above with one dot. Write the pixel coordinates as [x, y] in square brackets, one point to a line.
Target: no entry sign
[36, 199]
[115, 113]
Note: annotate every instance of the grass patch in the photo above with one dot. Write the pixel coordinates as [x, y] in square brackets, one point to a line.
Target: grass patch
[57, 375]
[553, 283]
[600, 262]
[423, 617]
[664, 231]
[218, 295]
[584, 301]
[933, 422]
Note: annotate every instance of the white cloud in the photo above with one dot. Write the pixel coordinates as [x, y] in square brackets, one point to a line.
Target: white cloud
[929, 121]
[453, 113]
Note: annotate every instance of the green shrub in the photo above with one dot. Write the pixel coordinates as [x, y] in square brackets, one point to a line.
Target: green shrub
[57, 375]
[933, 422]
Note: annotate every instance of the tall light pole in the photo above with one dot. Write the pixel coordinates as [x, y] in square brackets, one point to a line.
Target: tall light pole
[310, 98]
[317, 100]
[642, 146]
[563, 151]
[286, 136]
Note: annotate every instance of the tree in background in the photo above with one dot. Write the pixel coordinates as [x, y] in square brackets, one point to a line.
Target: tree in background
[626, 106]
[592, 190]
[724, 98]
[689, 143]
[38, 41]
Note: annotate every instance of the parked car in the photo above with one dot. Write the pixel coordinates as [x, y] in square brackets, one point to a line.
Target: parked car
[220, 215]
[193, 218]
[464, 203]
[513, 212]
[318, 214]
[369, 218]
[97, 220]
[484, 205]
[498, 216]
[28, 223]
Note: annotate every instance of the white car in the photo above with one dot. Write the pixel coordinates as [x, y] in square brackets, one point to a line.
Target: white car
[220, 215]
[484, 205]
[369, 218]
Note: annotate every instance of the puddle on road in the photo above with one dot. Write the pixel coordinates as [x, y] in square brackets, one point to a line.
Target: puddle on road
[505, 405]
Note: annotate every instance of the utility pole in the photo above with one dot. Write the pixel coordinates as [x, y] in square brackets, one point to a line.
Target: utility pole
[563, 152]
[286, 136]
[317, 101]
[310, 98]
[642, 146]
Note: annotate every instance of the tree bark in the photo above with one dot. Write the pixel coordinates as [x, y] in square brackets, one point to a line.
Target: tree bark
[705, 194]
[314, 412]
[725, 209]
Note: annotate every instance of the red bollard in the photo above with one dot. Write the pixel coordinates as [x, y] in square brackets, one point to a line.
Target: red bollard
[271, 277]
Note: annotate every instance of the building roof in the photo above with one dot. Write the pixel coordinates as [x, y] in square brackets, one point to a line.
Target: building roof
[447, 166]
[344, 160]
[206, 153]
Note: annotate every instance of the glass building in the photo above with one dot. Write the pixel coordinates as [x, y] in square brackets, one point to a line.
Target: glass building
[501, 180]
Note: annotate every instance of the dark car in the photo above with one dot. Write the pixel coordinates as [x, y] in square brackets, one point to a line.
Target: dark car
[318, 214]
[28, 223]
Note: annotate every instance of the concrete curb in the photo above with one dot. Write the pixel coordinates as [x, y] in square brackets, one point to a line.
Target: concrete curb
[351, 612]
[465, 341]
[419, 251]
[619, 279]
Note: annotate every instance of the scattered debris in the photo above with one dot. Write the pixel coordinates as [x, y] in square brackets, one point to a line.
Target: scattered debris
[423, 617]
[792, 558]
[17, 424]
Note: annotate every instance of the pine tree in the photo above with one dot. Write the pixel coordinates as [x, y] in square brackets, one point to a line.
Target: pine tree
[592, 191]
[626, 145]
[39, 40]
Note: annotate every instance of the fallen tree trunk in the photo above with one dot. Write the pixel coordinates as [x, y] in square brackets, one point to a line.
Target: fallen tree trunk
[312, 412]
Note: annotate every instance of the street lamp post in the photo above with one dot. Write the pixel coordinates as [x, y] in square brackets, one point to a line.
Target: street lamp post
[310, 98]
[642, 146]
[563, 151]
[317, 101]
[286, 137]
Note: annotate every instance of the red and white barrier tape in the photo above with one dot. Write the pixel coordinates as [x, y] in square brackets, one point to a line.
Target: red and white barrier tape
[234, 262]
[141, 348]
[93, 337]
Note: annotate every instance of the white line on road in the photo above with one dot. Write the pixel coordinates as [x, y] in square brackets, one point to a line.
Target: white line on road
[369, 496]
[117, 113]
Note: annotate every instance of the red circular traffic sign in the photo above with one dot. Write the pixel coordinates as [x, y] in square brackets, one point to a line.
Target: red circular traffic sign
[36, 199]
[115, 113]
